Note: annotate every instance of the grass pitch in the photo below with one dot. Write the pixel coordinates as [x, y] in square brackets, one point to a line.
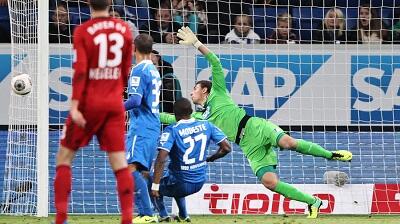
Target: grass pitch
[250, 219]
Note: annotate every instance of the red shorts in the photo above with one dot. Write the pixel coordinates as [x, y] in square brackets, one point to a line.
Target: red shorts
[108, 126]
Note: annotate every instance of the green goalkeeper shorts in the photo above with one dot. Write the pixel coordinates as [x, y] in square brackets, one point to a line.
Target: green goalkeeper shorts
[258, 142]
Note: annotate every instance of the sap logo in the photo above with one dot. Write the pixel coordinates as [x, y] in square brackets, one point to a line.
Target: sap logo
[5, 69]
[375, 96]
[60, 81]
[263, 83]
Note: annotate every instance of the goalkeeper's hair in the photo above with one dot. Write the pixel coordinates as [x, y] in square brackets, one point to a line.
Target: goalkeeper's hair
[99, 5]
[144, 43]
[182, 108]
[205, 84]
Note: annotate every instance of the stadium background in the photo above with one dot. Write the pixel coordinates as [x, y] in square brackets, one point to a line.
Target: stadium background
[376, 156]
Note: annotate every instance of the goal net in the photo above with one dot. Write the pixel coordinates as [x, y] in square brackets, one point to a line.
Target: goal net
[25, 157]
[313, 69]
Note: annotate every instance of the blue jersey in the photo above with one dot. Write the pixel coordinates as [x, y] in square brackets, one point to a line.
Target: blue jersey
[187, 142]
[145, 81]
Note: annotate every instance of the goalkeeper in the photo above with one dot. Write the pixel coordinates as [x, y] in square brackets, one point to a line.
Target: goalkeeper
[256, 136]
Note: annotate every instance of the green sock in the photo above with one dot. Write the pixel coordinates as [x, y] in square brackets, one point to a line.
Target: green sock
[310, 148]
[288, 191]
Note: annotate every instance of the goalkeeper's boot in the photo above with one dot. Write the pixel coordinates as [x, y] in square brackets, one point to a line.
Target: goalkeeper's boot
[145, 219]
[180, 219]
[313, 209]
[342, 155]
[165, 219]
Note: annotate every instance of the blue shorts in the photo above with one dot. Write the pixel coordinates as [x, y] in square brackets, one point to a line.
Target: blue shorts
[170, 186]
[140, 149]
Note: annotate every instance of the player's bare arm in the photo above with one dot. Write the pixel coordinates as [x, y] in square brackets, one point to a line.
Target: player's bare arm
[76, 115]
[224, 149]
[158, 172]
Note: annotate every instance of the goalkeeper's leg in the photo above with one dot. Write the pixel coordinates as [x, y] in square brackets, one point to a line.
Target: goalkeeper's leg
[310, 148]
[270, 180]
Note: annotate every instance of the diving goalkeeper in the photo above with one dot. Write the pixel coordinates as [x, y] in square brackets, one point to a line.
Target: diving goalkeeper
[256, 136]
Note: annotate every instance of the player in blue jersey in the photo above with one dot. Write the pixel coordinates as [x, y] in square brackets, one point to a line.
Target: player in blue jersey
[186, 143]
[144, 127]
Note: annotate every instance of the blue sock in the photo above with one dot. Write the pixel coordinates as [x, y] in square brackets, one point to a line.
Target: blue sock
[138, 206]
[142, 194]
[159, 203]
[181, 203]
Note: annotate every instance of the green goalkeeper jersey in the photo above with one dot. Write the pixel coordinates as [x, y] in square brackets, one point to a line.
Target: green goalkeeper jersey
[220, 109]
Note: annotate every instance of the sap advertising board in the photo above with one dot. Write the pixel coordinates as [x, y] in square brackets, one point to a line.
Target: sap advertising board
[289, 84]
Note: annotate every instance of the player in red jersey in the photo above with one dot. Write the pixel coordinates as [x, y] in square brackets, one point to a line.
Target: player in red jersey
[102, 60]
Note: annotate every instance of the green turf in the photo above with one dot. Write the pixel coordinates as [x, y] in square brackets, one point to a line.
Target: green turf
[251, 219]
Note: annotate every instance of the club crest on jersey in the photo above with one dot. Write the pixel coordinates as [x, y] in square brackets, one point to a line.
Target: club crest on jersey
[135, 81]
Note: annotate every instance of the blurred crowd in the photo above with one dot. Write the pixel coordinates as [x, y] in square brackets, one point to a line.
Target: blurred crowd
[238, 21]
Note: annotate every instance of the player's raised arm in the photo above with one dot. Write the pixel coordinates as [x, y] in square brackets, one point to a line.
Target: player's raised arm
[189, 38]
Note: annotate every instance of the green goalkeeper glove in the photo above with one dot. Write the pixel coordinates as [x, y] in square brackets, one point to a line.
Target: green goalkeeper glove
[188, 37]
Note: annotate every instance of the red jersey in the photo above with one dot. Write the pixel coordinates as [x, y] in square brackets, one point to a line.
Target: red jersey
[102, 61]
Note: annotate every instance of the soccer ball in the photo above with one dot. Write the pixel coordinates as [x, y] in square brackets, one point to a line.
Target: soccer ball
[21, 84]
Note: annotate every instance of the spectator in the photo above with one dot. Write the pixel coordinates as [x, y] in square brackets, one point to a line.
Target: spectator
[60, 29]
[202, 15]
[332, 29]
[184, 13]
[396, 26]
[162, 29]
[207, 31]
[69, 3]
[283, 33]
[117, 14]
[131, 3]
[170, 87]
[242, 33]
[5, 36]
[370, 27]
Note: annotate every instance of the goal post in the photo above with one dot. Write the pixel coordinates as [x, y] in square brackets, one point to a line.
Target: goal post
[42, 151]
[26, 176]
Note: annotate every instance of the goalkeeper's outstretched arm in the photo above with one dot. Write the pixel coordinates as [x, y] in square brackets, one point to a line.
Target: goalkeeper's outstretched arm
[189, 38]
[218, 78]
